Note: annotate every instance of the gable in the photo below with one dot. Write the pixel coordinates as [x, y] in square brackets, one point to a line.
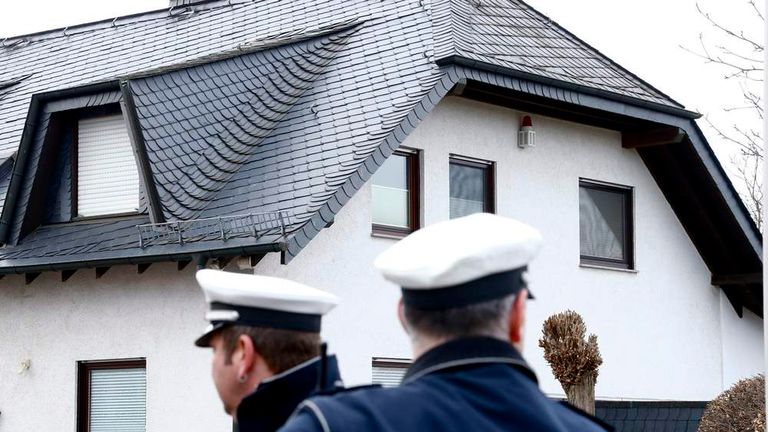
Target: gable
[295, 108]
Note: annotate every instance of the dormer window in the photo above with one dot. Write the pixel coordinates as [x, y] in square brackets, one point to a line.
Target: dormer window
[106, 178]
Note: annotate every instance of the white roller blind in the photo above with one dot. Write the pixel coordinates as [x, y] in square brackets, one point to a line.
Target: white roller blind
[601, 223]
[107, 177]
[388, 375]
[118, 400]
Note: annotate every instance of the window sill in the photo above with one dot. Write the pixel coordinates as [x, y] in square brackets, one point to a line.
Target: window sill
[388, 235]
[605, 267]
[138, 217]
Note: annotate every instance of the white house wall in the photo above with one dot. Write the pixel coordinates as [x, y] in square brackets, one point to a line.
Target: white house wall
[664, 331]
[156, 315]
[742, 344]
[659, 328]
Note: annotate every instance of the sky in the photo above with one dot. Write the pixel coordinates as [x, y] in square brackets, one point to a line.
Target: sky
[646, 37]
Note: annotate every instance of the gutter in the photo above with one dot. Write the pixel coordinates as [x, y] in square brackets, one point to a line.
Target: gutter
[480, 65]
[108, 262]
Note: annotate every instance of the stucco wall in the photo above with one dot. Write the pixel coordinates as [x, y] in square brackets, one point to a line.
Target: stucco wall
[659, 328]
[155, 315]
[664, 331]
[742, 344]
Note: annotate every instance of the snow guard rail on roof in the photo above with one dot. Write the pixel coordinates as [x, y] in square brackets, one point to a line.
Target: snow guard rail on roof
[254, 225]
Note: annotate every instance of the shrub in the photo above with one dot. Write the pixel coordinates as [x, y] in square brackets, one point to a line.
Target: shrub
[741, 408]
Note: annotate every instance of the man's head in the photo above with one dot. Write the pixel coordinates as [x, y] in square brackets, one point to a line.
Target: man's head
[245, 356]
[464, 277]
[502, 318]
[259, 327]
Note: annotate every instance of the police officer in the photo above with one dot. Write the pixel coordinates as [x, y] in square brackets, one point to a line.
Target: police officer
[265, 335]
[463, 306]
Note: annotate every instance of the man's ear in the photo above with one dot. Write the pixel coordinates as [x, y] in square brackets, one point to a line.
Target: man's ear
[517, 319]
[401, 315]
[244, 356]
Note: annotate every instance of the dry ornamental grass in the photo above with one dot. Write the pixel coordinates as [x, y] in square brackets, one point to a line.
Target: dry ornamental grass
[571, 356]
[574, 360]
[741, 408]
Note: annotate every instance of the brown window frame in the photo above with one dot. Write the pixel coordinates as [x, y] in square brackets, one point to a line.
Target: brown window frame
[489, 168]
[74, 123]
[84, 369]
[628, 232]
[391, 362]
[413, 180]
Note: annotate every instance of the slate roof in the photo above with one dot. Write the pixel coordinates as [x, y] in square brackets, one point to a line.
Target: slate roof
[651, 416]
[238, 106]
[512, 35]
[115, 48]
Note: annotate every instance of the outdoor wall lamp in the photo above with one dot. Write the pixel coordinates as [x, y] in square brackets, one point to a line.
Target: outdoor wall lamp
[526, 136]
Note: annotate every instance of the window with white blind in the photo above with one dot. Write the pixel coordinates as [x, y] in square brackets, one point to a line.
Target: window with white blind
[605, 224]
[107, 179]
[389, 372]
[112, 396]
[471, 187]
[395, 195]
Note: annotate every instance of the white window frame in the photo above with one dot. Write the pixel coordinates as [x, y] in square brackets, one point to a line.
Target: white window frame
[99, 166]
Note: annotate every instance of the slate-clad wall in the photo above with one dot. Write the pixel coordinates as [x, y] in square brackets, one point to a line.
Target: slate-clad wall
[156, 315]
[659, 328]
[58, 203]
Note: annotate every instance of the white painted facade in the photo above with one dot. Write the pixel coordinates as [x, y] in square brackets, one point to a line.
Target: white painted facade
[665, 333]
[156, 315]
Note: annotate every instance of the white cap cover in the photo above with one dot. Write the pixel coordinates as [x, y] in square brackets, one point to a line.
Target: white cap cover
[452, 253]
[262, 301]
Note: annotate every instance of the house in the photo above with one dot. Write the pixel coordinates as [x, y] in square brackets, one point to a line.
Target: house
[300, 139]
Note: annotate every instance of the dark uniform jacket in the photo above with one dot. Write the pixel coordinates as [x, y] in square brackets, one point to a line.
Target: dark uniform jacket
[470, 384]
[267, 408]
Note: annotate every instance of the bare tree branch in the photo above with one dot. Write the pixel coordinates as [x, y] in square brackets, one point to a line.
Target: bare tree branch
[733, 34]
[738, 54]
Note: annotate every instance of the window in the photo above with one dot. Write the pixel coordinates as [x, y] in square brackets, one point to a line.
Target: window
[389, 372]
[106, 179]
[111, 396]
[605, 224]
[471, 187]
[395, 190]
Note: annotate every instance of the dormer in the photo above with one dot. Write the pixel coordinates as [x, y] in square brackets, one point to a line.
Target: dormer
[80, 165]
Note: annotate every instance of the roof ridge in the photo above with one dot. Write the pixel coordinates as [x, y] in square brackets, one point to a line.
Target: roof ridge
[11, 41]
[265, 43]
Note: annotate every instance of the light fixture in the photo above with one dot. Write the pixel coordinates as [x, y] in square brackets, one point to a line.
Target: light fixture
[526, 136]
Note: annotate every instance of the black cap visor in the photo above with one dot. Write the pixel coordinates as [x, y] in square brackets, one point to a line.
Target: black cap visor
[487, 288]
[204, 341]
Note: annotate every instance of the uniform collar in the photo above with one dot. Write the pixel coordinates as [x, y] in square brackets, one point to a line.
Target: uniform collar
[273, 401]
[467, 352]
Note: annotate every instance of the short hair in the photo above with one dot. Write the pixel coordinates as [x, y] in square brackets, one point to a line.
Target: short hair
[281, 349]
[489, 318]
